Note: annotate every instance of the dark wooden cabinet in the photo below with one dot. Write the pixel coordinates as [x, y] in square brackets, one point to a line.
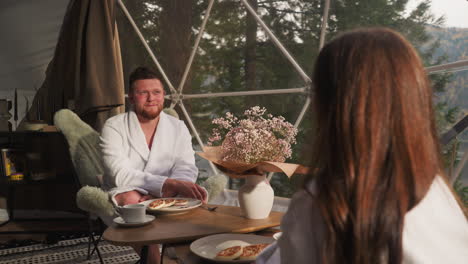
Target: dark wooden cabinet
[49, 181]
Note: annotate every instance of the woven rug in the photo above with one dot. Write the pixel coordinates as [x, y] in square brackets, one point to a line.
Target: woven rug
[66, 251]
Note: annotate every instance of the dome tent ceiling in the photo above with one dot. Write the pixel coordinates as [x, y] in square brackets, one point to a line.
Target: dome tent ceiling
[29, 31]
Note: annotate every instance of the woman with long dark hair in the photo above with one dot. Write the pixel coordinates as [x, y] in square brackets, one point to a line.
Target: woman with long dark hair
[378, 193]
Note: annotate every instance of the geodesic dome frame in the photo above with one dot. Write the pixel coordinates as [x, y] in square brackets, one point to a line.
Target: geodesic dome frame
[177, 96]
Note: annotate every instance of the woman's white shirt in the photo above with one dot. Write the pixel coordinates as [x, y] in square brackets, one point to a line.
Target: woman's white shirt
[435, 231]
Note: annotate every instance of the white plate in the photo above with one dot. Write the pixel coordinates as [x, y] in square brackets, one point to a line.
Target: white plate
[192, 204]
[208, 247]
[121, 222]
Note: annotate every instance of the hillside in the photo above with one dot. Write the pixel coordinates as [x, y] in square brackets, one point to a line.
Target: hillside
[454, 44]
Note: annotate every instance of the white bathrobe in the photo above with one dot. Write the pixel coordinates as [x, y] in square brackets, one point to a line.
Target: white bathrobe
[435, 231]
[130, 164]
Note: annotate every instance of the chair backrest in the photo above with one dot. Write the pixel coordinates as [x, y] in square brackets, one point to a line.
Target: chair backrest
[83, 142]
[171, 112]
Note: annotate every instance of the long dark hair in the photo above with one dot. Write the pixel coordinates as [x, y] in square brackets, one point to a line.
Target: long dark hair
[376, 143]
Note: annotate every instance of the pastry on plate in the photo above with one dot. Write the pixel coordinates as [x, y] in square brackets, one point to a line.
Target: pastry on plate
[231, 243]
[229, 253]
[180, 202]
[157, 204]
[169, 202]
[251, 252]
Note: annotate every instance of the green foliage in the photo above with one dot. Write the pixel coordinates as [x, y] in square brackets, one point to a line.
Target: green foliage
[462, 191]
[284, 186]
[452, 46]
[445, 116]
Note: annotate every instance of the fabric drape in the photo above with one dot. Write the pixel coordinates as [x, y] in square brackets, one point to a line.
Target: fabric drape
[85, 74]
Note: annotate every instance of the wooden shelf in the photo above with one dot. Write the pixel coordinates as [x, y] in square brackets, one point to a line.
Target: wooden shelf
[46, 153]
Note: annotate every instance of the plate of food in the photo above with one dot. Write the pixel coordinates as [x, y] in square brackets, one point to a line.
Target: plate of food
[230, 248]
[171, 205]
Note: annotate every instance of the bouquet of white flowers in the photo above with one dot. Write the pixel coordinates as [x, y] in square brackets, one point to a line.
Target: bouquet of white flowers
[257, 140]
[256, 137]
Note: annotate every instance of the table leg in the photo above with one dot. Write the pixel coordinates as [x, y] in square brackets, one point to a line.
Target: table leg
[144, 254]
[163, 249]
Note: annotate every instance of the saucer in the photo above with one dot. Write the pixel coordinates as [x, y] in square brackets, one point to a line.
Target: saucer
[121, 222]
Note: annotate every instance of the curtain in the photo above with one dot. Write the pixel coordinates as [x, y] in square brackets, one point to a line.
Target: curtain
[85, 74]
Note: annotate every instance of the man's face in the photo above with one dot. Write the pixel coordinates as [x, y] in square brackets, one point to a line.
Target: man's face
[148, 98]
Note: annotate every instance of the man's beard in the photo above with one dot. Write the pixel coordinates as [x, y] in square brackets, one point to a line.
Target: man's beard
[150, 115]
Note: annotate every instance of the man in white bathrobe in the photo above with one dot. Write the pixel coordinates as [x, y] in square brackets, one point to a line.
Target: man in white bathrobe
[147, 152]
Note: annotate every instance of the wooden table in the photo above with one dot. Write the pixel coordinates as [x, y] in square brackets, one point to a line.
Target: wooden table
[173, 229]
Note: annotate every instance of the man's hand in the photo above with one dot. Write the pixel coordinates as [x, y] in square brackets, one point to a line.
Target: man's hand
[174, 187]
[131, 197]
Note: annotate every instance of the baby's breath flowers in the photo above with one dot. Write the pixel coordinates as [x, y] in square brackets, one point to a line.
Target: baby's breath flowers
[257, 137]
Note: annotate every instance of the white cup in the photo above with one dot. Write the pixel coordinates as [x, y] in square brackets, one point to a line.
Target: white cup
[132, 213]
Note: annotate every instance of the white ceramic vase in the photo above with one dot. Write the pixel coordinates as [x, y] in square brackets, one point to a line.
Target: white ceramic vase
[256, 197]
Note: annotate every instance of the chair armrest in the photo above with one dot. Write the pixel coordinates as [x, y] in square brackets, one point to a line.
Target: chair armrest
[94, 200]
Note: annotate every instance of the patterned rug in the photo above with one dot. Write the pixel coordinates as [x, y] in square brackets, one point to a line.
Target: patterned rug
[66, 251]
